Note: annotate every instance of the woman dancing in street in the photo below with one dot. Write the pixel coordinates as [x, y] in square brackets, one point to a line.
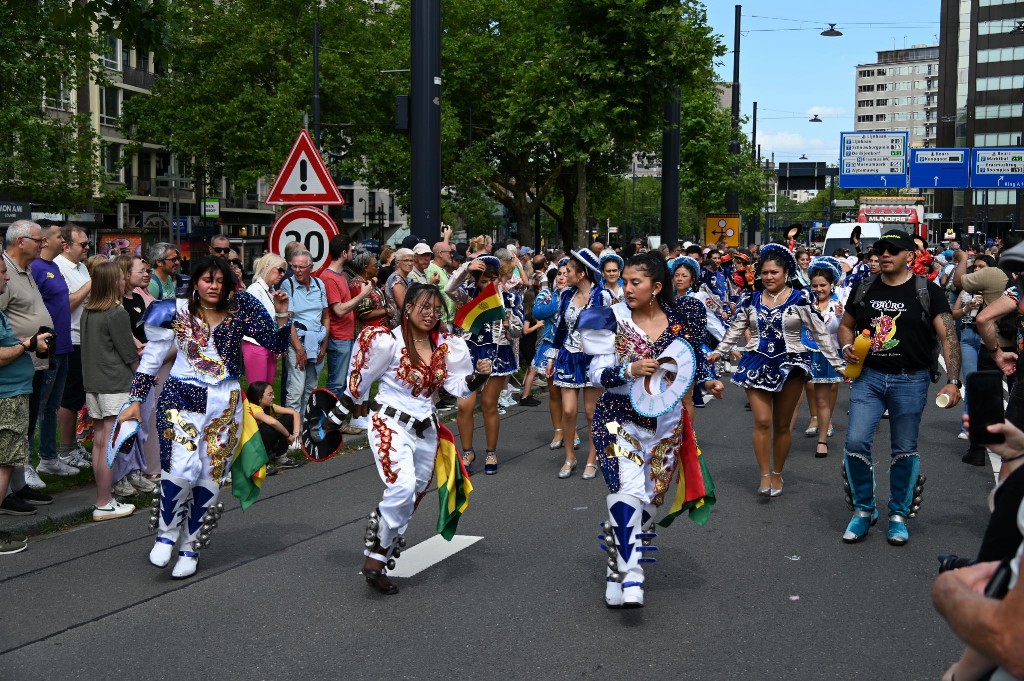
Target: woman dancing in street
[570, 367]
[685, 276]
[411, 362]
[640, 455]
[824, 271]
[775, 363]
[199, 411]
[493, 343]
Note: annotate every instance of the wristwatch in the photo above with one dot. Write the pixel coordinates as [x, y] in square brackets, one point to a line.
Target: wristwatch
[955, 381]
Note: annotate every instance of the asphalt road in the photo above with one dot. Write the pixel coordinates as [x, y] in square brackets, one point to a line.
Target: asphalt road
[766, 591]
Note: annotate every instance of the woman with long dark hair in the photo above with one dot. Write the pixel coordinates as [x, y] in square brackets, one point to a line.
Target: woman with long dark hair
[199, 411]
[410, 362]
[641, 455]
[775, 362]
[824, 272]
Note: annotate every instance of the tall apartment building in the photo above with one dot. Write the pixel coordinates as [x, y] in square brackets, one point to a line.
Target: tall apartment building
[899, 92]
[982, 51]
[162, 189]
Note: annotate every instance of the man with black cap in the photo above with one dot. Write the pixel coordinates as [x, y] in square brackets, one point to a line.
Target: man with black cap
[904, 313]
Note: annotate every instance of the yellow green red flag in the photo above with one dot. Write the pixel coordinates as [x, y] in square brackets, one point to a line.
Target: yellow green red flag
[486, 307]
[695, 490]
[249, 468]
[453, 485]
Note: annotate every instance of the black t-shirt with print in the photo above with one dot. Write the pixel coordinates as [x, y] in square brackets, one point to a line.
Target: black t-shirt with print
[900, 339]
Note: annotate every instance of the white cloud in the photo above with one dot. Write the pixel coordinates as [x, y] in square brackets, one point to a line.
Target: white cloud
[790, 145]
[826, 111]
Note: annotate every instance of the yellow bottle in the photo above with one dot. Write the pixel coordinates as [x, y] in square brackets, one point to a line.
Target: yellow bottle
[861, 346]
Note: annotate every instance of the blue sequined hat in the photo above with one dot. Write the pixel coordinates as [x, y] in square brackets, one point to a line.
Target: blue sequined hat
[587, 257]
[826, 262]
[563, 262]
[676, 263]
[784, 252]
[605, 257]
[490, 261]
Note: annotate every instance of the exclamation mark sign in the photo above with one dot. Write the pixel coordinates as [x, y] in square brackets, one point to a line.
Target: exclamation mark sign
[302, 174]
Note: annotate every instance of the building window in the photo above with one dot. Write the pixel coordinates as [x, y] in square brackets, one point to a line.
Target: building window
[111, 57]
[881, 87]
[998, 26]
[864, 118]
[58, 98]
[881, 102]
[999, 111]
[112, 162]
[880, 72]
[1000, 83]
[865, 88]
[865, 102]
[110, 105]
[879, 117]
[1001, 54]
[866, 73]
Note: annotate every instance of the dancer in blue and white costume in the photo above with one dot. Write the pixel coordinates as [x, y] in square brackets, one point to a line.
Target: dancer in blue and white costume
[569, 373]
[611, 279]
[685, 273]
[494, 344]
[775, 362]
[824, 272]
[640, 455]
[199, 411]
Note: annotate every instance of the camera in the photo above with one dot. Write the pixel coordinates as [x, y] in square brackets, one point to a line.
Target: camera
[951, 561]
[48, 353]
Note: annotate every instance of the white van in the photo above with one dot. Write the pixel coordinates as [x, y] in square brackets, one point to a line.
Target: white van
[838, 236]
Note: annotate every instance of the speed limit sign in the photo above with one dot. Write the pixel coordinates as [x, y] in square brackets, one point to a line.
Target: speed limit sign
[311, 227]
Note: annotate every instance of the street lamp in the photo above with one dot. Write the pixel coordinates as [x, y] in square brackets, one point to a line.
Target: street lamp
[815, 119]
[831, 32]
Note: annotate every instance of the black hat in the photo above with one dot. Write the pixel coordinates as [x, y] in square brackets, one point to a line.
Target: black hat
[898, 239]
[411, 241]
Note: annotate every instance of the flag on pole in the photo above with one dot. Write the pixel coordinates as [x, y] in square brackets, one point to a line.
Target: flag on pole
[249, 468]
[486, 307]
[453, 485]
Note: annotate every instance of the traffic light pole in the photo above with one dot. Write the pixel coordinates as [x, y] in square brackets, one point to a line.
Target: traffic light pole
[425, 120]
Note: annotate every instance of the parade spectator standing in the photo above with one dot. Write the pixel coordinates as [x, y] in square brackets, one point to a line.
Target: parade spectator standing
[895, 377]
[261, 363]
[109, 358]
[166, 260]
[371, 311]
[48, 385]
[307, 304]
[439, 268]
[220, 247]
[398, 282]
[422, 255]
[26, 313]
[342, 317]
[16, 372]
[72, 265]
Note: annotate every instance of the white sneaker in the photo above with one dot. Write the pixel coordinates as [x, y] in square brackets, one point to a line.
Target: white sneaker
[160, 555]
[139, 481]
[77, 457]
[32, 478]
[962, 436]
[633, 596]
[56, 467]
[115, 509]
[123, 488]
[360, 422]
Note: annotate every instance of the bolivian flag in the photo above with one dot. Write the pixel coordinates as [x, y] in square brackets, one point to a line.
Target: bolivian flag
[695, 490]
[249, 468]
[486, 307]
[453, 485]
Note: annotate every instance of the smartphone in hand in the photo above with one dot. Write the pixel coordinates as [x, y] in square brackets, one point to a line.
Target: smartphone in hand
[985, 406]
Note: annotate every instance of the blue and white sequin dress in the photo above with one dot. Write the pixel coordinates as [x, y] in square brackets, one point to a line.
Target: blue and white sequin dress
[571, 362]
[776, 348]
[492, 343]
[821, 370]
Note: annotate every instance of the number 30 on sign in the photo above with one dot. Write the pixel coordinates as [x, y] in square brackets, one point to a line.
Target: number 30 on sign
[311, 227]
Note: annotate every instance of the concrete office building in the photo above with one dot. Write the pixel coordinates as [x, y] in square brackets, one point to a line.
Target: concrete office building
[980, 105]
[899, 92]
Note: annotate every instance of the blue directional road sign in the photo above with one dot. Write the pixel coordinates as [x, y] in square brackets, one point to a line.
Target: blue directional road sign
[869, 160]
[940, 168]
[1001, 168]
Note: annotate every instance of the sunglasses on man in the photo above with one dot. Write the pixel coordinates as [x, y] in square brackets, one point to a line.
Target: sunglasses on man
[886, 247]
[222, 251]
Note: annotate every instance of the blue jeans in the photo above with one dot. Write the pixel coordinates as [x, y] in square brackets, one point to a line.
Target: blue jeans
[970, 348]
[49, 401]
[904, 395]
[339, 352]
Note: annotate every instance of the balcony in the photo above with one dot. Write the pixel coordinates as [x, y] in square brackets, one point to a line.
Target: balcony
[138, 78]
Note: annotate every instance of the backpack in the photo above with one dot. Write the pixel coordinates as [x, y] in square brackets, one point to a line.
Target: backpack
[1008, 326]
[925, 300]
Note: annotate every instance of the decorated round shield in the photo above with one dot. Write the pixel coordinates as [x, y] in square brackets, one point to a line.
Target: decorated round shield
[319, 444]
[661, 392]
[122, 437]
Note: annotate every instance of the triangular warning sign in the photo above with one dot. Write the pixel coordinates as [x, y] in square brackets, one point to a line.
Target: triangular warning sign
[304, 178]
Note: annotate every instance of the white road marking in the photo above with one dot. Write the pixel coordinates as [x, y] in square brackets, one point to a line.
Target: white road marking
[418, 558]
